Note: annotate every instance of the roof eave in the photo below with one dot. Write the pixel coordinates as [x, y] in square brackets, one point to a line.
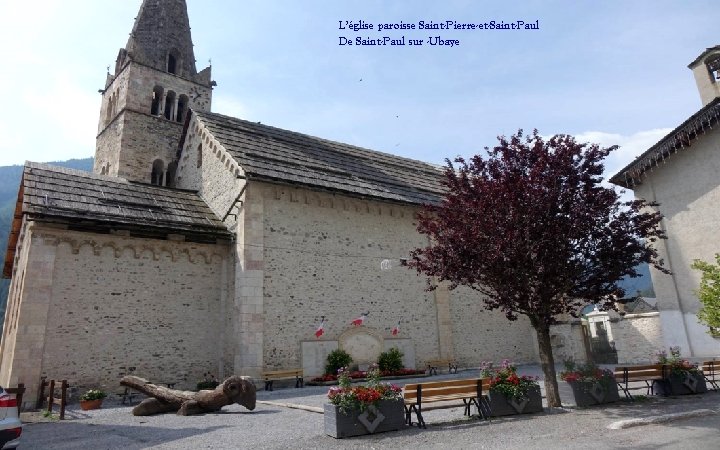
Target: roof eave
[680, 138]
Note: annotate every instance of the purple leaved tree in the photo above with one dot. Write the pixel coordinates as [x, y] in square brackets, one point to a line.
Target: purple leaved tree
[533, 230]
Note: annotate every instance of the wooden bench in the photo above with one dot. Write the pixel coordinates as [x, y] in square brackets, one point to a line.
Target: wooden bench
[711, 372]
[433, 365]
[445, 394]
[649, 374]
[273, 375]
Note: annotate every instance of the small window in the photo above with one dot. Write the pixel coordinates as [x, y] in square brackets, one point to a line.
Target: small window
[199, 155]
[173, 61]
[170, 174]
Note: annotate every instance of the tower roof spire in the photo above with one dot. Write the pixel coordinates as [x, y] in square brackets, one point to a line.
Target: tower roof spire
[161, 37]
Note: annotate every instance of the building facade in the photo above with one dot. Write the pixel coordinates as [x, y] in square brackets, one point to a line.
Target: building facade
[206, 243]
[681, 174]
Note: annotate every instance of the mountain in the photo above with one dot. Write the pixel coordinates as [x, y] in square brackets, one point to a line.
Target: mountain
[9, 183]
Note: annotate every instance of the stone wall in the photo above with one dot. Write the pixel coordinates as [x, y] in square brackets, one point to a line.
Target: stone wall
[481, 335]
[111, 303]
[206, 166]
[321, 257]
[637, 337]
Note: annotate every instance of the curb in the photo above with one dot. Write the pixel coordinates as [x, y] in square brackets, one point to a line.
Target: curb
[623, 424]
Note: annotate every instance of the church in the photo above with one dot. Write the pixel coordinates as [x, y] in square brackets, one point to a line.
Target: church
[206, 243]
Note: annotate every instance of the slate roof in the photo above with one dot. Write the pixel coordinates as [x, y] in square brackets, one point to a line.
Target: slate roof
[77, 195]
[88, 201]
[679, 139]
[281, 156]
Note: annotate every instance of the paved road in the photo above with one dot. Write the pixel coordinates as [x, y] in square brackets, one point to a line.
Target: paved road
[275, 427]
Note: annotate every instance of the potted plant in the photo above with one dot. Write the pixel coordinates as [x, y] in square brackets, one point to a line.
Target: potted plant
[92, 399]
[509, 393]
[681, 377]
[357, 410]
[590, 384]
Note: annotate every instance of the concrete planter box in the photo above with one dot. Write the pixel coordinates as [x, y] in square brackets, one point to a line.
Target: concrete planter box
[589, 393]
[681, 384]
[389, 416]
[503, 406]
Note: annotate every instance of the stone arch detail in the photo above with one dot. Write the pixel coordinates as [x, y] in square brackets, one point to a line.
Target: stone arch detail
[364, 344]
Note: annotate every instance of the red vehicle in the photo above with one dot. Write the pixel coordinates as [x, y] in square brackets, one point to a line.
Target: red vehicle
[10, 426]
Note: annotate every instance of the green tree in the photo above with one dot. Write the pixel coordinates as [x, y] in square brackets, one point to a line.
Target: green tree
[709, 293]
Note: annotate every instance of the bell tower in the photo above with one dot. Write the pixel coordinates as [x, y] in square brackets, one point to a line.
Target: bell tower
[147, 98]
[706, 69]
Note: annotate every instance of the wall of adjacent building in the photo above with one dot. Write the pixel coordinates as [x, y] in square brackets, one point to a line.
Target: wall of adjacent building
[687, 188]
[102, 306]
[638, 337]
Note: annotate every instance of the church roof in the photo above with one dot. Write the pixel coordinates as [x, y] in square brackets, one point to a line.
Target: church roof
[678, 139]
[280, 156]
[84, 200]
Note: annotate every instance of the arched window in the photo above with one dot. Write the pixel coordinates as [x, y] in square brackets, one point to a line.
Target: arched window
[182, 108]
[170, 105]
[170, 175]
[199, 155]
[713, 65]
[173, 61]
[156, 100]
[158, 172]
[109, 110]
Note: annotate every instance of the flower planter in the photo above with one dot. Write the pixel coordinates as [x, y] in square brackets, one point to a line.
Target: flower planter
[388, 416]
[500, 405]
[87, 405]
[588, 393]
[684, 383]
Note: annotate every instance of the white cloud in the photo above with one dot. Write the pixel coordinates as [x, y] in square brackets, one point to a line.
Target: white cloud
[230, 107]
[59, 122]
[631, 146]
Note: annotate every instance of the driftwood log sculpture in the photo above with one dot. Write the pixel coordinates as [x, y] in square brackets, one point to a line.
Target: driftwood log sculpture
[235, 389]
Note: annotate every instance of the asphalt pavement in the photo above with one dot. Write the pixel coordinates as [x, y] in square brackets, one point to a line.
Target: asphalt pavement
[691, 422]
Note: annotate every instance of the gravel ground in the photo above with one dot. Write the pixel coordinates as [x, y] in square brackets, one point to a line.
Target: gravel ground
[275, 427]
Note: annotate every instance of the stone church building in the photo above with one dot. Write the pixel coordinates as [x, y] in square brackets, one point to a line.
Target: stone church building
[206, 243]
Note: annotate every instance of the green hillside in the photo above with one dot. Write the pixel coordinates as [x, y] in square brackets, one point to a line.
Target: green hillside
[9, 182]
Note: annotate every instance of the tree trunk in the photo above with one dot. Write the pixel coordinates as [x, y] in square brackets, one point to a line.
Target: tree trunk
[548, 364]
[165, 395]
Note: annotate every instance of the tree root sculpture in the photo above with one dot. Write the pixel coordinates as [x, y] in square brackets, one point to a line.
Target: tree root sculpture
[235, 389]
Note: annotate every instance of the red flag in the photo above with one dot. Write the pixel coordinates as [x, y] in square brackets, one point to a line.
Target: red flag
[359, 321]
[320, 329]
[395, 331]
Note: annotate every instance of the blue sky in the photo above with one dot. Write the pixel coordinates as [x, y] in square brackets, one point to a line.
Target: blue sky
[608, 72]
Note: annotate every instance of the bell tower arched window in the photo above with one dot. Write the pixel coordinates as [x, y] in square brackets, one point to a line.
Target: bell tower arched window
[157, 176]
[713, 65]
[182, 108]
[170, 106]
[157, 97]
